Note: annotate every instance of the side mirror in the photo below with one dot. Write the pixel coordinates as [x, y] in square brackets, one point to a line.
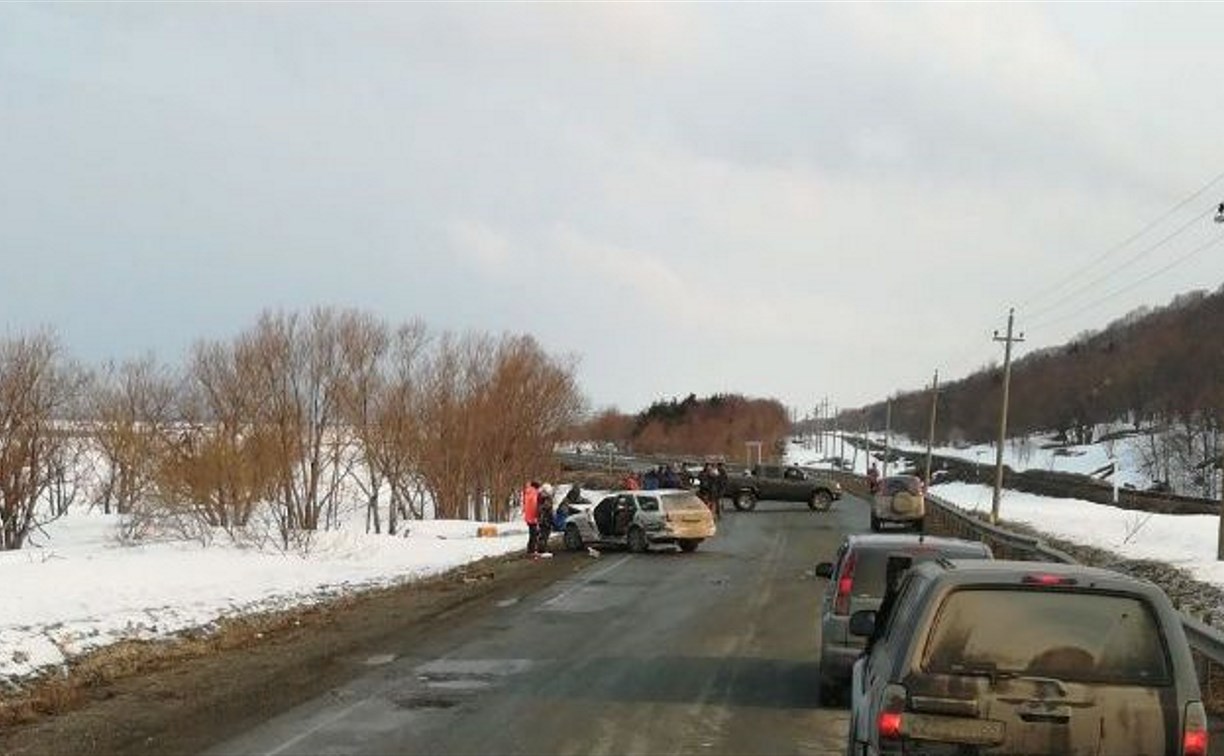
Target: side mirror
[824, 570]
[862, 623]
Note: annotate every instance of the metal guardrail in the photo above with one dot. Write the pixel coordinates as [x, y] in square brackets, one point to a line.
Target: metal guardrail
[1205, 640]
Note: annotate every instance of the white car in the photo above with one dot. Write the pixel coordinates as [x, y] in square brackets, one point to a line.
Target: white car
[639, 519]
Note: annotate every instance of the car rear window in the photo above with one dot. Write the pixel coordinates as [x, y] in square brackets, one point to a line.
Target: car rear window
[680, 502]
[1076, 636]
[902, 484]
[871, 568]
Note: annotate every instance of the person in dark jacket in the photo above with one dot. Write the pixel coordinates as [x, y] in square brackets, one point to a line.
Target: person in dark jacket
[544, 512]
[669, 479]
[569, 505]
[650, 481]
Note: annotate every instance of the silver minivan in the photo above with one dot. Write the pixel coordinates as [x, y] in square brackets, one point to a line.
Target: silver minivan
[865, 565]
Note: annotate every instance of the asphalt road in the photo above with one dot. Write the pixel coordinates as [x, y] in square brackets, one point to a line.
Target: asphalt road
[706, 653]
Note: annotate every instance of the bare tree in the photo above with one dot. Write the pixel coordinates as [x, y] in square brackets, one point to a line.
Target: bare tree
[491, 413]
[365, 344]
[35, 387]
[218, 464]
[391, 438]
[132, 407]
[297, 369]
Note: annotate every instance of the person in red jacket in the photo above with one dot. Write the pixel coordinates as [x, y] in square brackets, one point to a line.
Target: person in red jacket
[531, 515]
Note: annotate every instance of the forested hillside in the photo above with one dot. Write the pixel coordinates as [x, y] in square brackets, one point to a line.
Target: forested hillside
[719, 425]
[1159, 370]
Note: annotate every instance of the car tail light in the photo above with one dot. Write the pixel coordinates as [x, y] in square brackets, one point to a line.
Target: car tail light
[1194, 732]
[845, 581]
[889, 725]
[892, 706]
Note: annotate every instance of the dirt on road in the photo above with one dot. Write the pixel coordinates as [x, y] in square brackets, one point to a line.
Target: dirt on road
[183, 696]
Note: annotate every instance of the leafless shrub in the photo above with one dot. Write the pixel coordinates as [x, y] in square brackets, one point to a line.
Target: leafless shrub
[132, 407]
[491, 413]
[297, 373]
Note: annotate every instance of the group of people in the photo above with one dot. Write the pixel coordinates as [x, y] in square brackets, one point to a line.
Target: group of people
[543, 517]
[711, 482]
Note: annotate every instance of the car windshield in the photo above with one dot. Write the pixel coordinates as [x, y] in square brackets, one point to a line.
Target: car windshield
[1069, 635]
[679, 502]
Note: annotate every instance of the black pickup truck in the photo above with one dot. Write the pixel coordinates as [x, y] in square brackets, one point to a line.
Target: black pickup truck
[782, 483]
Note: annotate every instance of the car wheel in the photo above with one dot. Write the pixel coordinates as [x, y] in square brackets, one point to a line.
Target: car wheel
[821, 501]
[875, 523]
[688, 545]
[745, 501]
[572, 538]
[637, 540]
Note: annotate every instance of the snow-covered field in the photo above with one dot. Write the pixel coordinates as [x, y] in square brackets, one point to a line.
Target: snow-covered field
[82, 589]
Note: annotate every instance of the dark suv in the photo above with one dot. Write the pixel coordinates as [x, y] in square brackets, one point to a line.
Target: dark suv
[863, 568]
[1024, 658]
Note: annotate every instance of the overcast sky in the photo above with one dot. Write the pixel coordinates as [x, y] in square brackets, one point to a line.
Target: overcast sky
[796, 201]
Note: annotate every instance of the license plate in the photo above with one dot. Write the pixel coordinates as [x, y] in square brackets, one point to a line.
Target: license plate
[952, 729]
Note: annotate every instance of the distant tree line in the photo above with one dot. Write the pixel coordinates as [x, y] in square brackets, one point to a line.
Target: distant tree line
[718, 425]
[1158, 370]
[272, 431]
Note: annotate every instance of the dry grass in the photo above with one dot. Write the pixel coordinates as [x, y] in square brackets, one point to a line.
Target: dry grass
[88, 675]
[68, 689]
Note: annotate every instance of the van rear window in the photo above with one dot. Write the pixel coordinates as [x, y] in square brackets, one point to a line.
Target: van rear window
[1077, 636]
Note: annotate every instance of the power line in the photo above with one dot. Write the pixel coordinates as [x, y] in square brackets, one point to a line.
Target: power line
[1178, 261]
[1125, 264]
[1032, 298]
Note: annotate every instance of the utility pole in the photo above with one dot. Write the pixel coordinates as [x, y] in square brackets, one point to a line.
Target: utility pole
[1007, 340]
[1220, 532]
[926, 478]
[866, 448]
[887, 434]
[841, 439]
[827, 447]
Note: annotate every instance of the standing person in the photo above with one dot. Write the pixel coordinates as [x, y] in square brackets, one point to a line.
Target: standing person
[531, 515]
[650, 481]
[544, 513]
[873, 478]
[669, 478]
[706, 483]
[720, 488]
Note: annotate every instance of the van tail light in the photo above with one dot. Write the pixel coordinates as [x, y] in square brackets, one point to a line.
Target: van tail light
[1194, 732]
[845, 580]
[889, 722]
